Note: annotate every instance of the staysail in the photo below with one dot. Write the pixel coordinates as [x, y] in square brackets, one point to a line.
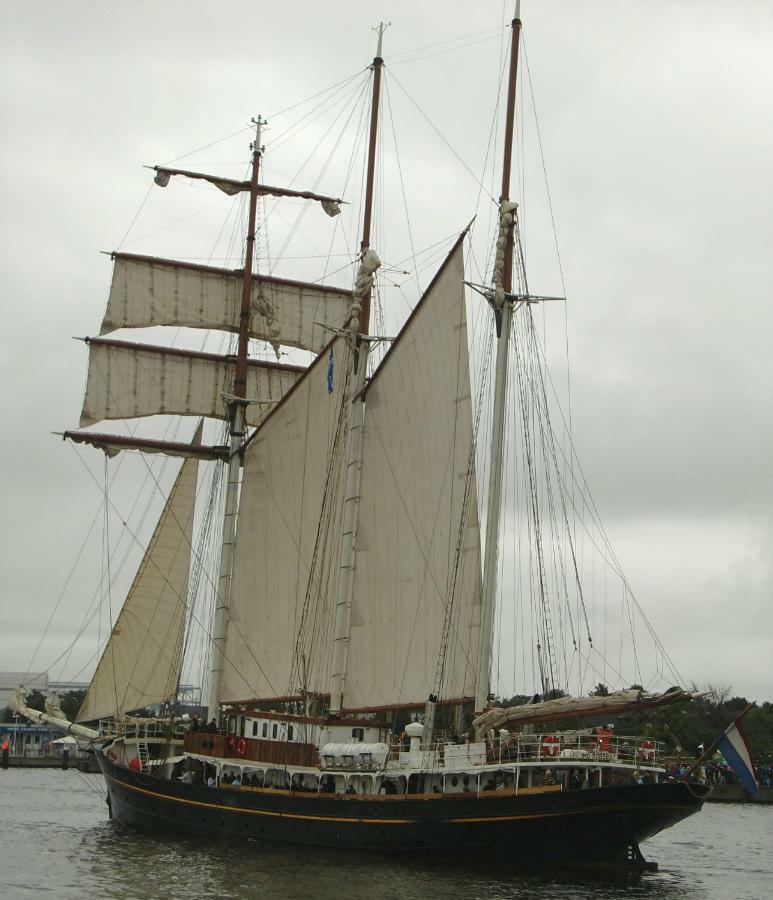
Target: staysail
[140, 665]
[418, 542]
[281, 597]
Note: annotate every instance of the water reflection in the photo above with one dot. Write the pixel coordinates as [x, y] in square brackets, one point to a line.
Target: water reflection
[181, 867]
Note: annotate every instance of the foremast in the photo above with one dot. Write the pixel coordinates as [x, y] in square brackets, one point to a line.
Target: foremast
[358, 330]
[237, 414]
[502, 301]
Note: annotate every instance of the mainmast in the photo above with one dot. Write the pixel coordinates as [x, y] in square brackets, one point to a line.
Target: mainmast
[358, 326]
[503, 312]
[237, 410]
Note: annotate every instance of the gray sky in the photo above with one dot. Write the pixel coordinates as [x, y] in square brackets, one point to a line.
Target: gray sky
[656, 123]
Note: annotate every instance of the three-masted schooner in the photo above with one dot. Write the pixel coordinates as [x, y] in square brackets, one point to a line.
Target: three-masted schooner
[355, 490]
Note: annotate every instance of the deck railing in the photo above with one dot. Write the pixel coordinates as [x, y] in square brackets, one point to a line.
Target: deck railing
[567, 747]
[150, 729]
[555, 747]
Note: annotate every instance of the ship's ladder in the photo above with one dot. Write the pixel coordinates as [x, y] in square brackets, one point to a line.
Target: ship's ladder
[142, 755]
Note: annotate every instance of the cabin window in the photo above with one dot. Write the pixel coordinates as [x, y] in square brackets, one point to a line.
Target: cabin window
[265, 729]
[254, 729]
[358, 735]
[274, 730]
[289, 732]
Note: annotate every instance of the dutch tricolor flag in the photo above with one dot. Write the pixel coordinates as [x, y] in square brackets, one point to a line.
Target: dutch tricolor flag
[734, 748]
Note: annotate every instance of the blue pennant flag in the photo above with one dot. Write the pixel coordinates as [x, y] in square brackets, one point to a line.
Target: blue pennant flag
[330, 372]
[732, 745]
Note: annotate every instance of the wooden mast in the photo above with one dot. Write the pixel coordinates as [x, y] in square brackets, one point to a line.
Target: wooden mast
[503, 311]
[237, 409]
[378, 63]
[507, 274]
[359, 324]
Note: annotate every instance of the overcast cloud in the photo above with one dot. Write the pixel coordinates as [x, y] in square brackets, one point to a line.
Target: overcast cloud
[656, 122]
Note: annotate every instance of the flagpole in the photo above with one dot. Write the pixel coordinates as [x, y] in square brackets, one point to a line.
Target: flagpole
[706, 753]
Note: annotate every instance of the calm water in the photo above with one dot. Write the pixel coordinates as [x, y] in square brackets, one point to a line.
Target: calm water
[56, 841]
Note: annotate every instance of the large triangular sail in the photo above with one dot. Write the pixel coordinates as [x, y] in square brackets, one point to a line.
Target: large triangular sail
[141, 663]
[285, 566]
[418, 542]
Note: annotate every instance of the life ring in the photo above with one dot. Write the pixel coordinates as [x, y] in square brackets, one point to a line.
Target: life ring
[551, 745]
[241, 747]
[647, 750]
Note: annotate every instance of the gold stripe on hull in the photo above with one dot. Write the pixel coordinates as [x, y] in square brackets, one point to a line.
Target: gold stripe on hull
[262, 812]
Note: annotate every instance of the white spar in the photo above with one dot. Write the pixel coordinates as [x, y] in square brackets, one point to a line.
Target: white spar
[18, 704]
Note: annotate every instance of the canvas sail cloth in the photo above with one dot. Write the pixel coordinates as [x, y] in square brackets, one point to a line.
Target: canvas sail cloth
[416, 457]
[288, 541]
[141, 662]
[577, 707]
[148, 291]
[127, 381]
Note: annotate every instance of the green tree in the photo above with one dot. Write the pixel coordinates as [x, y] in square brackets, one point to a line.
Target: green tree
[36, 700]
[70, 702]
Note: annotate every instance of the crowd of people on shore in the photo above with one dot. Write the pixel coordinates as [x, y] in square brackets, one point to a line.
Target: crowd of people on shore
[722, 773]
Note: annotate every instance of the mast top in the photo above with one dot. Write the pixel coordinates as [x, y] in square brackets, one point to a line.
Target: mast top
[380, 28]
[256, 146]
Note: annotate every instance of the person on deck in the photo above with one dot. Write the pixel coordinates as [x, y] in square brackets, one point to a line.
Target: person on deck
[604, 737]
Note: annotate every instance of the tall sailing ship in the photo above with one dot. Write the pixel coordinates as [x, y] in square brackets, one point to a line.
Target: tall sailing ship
[349, 691]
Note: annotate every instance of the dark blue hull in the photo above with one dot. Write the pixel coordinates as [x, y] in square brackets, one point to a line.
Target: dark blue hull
[599, 826]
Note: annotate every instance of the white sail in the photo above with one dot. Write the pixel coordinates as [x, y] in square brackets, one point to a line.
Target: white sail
[289, 537]
[417, 492]
[141, 662]
[126, 381]
[149, 291]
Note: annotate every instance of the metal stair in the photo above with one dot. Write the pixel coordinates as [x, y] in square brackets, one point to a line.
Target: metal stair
[142, 755]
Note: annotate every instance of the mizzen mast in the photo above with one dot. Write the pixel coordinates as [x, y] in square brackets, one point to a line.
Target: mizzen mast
[502, 302]
[358, 329]
[237, 413]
